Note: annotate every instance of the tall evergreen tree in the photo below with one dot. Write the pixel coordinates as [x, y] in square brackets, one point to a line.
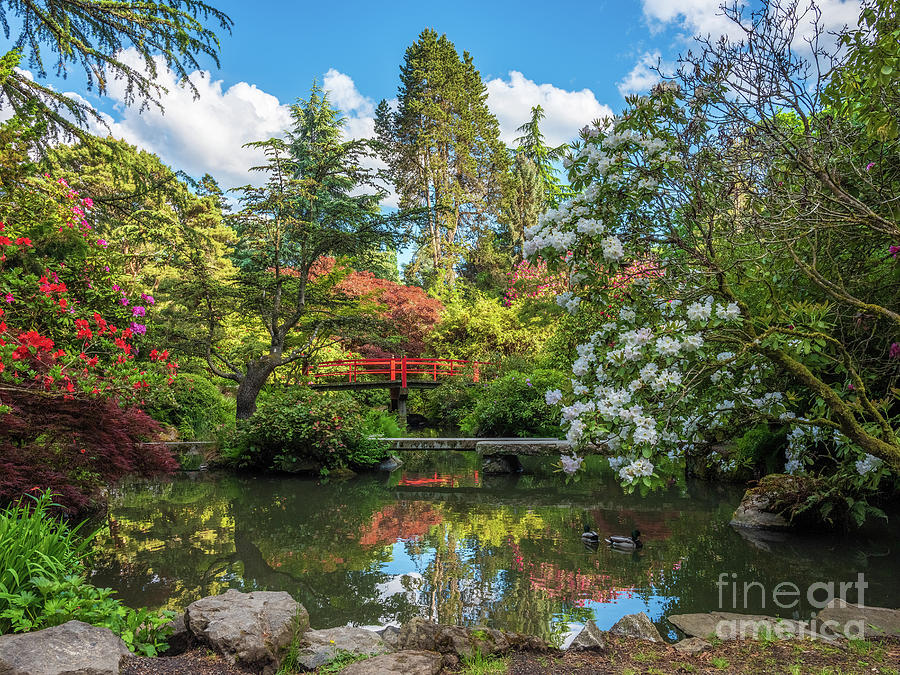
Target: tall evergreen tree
[442, 146]
[524, 200]
[315, 203]
[531, 144]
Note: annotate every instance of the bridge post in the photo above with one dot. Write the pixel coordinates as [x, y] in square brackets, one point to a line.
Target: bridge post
[399, 397]
[403, 373]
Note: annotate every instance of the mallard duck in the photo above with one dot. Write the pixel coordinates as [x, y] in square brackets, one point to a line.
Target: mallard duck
[626, 543]
[589, 535]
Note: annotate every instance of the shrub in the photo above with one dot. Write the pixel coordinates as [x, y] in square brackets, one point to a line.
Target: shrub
[193, 405]
[514, 405]
[42, 582]
[302, 430]
[449, 404]
[73, 446]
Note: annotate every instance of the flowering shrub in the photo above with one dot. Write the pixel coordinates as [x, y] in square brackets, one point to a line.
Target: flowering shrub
[750, 308]
[73, 361]
[299, 430]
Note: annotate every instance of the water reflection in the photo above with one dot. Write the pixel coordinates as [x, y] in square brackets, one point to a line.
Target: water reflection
[458, 547]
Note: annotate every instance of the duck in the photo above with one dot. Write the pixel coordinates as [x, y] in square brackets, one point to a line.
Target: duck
[626, 543]
[589, 535]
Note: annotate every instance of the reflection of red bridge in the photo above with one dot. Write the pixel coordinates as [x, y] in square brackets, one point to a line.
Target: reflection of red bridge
[397, 374]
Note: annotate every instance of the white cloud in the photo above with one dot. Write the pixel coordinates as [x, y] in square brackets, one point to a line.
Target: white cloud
[695, 17]
[566, 111]
[200, 135]
[642, 77]
[706, 17]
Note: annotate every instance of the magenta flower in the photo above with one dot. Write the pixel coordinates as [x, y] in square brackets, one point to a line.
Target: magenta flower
[102, 242]
[894, 250]
[147, 298]
[116, 287]
[138, 310]
[894, 351]
[124, 301]
[869, 166]
[138, 328]
[9, 298]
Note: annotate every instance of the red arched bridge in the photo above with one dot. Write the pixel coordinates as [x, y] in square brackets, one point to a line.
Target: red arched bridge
[399, 374]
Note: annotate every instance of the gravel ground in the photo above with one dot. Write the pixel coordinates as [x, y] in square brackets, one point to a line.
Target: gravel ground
[194, 662]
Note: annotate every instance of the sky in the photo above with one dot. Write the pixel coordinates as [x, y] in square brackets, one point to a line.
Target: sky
[576, 59]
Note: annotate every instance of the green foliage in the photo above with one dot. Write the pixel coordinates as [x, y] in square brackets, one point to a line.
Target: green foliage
[531, 145]
[514, 405]
[481, 664]
[450, 403]
[42, 580]
[381, 423]
[297, 430]
[523, 198]
[35, 543]
[193, 405]
[54, 601]
[761, 448]
[479, 328]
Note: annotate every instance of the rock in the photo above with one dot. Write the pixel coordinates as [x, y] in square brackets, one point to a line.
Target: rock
[390, 464]
[501, 465]
[250, 629]
[692, 645]
[180, 639]
[410, 662]
[423, 635]
[391, 636]
[854, 621]
[73, 648]
[323, 646]
[732, 626]
[756, 509]
[590, 637]
[637, 626]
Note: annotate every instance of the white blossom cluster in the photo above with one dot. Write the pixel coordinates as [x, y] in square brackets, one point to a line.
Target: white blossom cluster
[867, 464]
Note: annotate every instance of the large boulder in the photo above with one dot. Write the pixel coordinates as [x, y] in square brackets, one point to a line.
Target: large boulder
[323, 646]
[423, 635]
[841, 619]
[252, 630]
[733, 626]
[636, 626]
[73, 648]
[401, 663]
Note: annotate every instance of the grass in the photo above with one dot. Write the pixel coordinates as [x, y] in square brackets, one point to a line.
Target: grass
[720, 663]
[479, 664]
[342, 660]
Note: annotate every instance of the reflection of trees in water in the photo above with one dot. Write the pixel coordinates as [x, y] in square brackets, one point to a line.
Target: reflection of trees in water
[475, 558]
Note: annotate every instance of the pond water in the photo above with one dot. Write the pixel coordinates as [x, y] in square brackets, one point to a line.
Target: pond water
[438, 539]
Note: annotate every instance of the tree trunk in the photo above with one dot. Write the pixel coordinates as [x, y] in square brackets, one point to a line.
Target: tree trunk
[257, 373]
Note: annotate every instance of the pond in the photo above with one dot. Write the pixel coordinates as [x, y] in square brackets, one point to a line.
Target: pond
[436, 538]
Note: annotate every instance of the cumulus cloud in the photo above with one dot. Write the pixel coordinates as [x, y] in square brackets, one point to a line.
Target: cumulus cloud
[643, 76]
[359, 110]
[706, 17]
[200, 135]
[566, 111]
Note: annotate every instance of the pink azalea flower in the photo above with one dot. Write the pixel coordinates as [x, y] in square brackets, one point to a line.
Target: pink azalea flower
[894, 351]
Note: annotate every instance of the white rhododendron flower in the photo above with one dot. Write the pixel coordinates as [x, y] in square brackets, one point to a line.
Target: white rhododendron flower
[553, 397]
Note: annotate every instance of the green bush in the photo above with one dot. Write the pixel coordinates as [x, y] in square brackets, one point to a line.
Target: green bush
[514, 405]
[193, 405]
[447, 405]
[298, 429]
[42, 581]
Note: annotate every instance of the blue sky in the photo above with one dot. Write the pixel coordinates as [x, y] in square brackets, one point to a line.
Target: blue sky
[576, 59]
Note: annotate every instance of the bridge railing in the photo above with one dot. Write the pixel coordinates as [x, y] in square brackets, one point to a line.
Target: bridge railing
[399, 368]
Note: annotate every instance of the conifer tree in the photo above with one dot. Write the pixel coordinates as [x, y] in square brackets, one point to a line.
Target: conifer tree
[531, 144]
[524, 199]
[442, 146]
